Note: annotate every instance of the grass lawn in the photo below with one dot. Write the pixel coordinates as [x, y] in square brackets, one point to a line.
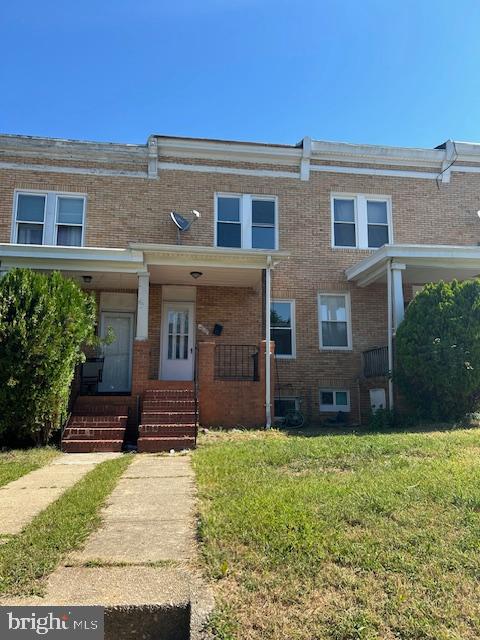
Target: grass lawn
[342, 537]
[29, 557]
[16, 463]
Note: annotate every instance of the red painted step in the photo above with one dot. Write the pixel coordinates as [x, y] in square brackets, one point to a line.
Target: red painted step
[166, 430]
[169, 394]
[155, 445]
[168, 405]
[89, 446]
[98, 421]
[91, 433]
[168, 417]
[93, 409]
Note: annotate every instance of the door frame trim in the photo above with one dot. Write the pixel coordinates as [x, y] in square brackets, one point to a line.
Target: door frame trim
[163, 326]
[122, 314]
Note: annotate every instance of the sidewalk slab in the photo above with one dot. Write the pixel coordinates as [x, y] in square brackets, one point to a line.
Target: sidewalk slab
[149, 516]
[140, 602]
[24, 498]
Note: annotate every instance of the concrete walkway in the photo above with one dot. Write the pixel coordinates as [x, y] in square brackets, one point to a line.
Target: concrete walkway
[140, 563]
[149, 516]
[24, 498]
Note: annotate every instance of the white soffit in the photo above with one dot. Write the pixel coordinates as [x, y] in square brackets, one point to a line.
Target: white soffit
[198, 256]
[423, 263]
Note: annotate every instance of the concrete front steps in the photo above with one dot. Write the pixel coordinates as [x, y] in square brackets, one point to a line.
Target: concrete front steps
[95, 425]
[168, 419]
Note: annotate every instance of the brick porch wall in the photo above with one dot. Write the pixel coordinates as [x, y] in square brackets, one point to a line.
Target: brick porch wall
[231, 403]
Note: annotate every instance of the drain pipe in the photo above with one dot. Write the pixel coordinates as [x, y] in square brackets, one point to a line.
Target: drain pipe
[390, 334]
[268, 391]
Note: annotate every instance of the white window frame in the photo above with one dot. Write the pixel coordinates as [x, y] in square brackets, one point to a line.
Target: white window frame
[66, 224]
[295, 399]
[16, 223]
[293, 355]
[49, 236]
[327, 408]
[348, 310]
[245, 219]
[360, 218]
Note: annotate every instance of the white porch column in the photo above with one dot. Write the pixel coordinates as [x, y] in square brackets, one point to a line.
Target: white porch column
[390, 334]
[268, 300]
[142, 306]
[397, 286]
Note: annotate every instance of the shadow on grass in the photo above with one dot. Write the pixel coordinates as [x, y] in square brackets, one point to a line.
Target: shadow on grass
[364, 430]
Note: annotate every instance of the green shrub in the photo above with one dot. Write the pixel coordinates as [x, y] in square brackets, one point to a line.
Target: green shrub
[45, 320]
[438, 350]
[381, 419]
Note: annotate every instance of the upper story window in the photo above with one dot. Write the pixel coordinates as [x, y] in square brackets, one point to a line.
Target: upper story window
[246, 221]
[361, 221]
[49, 218]
[282, 323]
[335, 324]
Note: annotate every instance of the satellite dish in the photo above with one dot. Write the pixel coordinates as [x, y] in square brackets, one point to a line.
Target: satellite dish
[182, 223]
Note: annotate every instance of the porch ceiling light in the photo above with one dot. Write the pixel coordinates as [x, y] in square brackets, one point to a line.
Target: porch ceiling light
[196, 274]
[87, 279]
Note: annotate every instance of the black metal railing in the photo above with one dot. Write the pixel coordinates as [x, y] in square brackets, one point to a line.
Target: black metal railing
[236, 362]
[375, 362]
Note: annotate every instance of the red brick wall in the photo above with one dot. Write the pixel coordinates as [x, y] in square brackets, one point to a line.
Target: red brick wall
[122, 210]
[230, 403]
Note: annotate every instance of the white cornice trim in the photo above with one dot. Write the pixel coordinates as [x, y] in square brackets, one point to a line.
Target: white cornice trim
[228, 151]
[300, 157]
[61, 149]
[87, 171]
[187, 255]
[369, 171]
[364, 153]
[201, 168]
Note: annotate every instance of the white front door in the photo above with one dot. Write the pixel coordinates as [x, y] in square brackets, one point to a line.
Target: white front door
[177, 350]
[117, 368]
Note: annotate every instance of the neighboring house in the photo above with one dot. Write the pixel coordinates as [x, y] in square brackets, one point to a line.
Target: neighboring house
[318, 246]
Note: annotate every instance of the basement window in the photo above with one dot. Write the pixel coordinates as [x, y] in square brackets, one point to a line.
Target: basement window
[282, 406]
[332, 400]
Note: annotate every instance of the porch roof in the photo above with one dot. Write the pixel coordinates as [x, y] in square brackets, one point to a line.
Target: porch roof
[423, 263]
[167, 264]
[173, 264]
[70, 258]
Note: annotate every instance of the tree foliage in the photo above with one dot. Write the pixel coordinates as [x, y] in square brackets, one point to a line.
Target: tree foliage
[45, 321]
[438, 350]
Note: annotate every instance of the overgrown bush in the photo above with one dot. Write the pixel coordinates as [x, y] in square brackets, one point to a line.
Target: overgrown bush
[45, 320]
[438, 350]
[381, 419]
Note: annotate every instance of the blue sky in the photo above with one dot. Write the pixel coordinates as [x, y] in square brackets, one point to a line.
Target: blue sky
[376, 71]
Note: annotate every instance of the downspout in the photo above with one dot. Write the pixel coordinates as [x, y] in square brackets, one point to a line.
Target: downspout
[390, 334]
[268, 391]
